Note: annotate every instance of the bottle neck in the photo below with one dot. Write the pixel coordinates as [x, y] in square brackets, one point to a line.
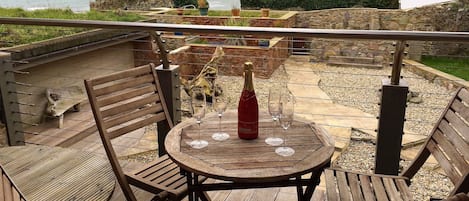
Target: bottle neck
[248, 84]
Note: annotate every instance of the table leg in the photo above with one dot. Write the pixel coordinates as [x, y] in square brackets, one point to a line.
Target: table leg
[315, 180]
[190, 193]
[196, 182]
[299, 189]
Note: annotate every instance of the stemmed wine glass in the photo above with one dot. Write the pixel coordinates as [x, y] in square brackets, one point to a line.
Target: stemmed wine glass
[274, 111]
[220, 103]
[198, 104]
[286, 119]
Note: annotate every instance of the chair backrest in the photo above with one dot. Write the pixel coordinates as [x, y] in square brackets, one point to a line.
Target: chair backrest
[8, 190]
[123, 102]
[449, 143]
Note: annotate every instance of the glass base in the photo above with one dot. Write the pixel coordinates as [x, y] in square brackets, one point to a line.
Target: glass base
[274, 141]
[198, 144]
[285, 151]
[220, 136]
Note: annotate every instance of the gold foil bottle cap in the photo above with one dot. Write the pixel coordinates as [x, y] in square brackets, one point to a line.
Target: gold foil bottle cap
[248, 66]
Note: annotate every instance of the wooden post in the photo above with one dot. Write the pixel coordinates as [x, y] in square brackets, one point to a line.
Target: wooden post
[171, 87]
[10, 107]
[391, 118]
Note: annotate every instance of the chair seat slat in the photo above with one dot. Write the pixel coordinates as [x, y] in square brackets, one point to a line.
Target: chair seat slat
[166, 172]
[331, 185]
[404, 189]
[379, 189]
[344, 191]
[169, 178]
[153, 166]
[355, 186]
[367, 188]
[391, 189]
[149, 186]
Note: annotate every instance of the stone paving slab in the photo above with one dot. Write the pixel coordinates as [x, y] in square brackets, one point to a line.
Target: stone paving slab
[315, 105]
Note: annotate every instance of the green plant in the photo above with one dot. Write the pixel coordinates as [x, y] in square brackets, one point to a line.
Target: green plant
[21, 34]
[201, 41]
[458, 67]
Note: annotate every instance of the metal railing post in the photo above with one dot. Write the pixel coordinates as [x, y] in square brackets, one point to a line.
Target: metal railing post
[170, 85]
[391, 118]
[10, 108]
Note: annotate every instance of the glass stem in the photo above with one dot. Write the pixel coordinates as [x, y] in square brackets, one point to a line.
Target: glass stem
[273, 129]
[219, 122]
[284, 137]
[199, 130]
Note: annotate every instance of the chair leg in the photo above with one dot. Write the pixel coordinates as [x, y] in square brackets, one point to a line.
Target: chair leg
[204, 196]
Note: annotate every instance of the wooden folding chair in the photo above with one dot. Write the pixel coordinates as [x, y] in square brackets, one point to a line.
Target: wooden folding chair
[449, 145]
[126, 101]
[8, 190]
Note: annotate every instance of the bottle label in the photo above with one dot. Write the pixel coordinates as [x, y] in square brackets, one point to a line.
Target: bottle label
[248, 128]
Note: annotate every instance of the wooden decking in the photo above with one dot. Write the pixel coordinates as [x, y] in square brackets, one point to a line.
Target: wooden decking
[79, 133]
[54, 173]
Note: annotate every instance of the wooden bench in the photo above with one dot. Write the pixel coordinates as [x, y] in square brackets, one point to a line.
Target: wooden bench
[449, 145]
[8, 190]
[63, 99]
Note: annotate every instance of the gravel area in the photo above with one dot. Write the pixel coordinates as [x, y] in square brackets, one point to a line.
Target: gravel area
[359, 88]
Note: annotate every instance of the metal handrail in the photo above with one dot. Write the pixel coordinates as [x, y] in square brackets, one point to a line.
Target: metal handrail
[265, 31]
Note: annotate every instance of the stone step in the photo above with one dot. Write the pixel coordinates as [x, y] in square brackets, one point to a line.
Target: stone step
[358, 65]
[351, 59]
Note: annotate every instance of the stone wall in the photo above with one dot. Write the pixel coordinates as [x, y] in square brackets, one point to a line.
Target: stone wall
[288, 20]
[440, 17]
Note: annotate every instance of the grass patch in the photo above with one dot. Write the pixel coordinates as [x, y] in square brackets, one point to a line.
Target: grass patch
[12, 35]
[458, 67]
[227, 13]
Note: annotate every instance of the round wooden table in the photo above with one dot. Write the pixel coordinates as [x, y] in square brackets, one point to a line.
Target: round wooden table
[250, 163]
